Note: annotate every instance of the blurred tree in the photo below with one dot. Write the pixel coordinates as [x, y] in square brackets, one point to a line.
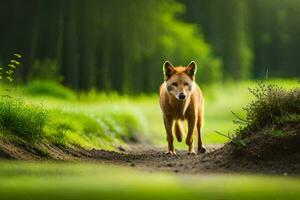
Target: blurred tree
[110, 45]
[276, 37]
[225, 25]
[251, 36]
[121, 45]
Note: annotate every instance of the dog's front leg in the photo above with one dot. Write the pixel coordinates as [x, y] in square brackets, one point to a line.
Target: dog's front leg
[189, 139]
[168, 121]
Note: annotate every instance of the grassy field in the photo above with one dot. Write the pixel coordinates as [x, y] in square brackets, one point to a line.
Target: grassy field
[102, 120]
[62, 181]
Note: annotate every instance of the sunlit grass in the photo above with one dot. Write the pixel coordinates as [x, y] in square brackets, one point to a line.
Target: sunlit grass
[21, 119]
[49, 88]
[23, 180]
[97, 119]
[66, 122]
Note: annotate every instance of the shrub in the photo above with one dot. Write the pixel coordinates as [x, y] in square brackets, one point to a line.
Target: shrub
[272, 124]
[273, 105]
[49, 88]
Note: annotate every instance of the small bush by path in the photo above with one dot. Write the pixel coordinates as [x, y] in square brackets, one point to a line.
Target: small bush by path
[272, 124]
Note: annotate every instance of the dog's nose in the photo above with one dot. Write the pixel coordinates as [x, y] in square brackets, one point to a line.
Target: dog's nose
[181, 96]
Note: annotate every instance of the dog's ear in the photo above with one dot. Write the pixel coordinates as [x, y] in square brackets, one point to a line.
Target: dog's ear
[168, 70]
[191, 69]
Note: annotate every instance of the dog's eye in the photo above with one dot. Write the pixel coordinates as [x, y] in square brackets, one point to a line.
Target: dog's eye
[186, 84]
[174, 84]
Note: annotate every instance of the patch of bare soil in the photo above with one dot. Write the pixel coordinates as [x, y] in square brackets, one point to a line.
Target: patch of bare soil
[263, 144]
[218, 159]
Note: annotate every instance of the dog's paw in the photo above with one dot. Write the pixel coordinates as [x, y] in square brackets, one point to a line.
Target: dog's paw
[201, 150]
[170, 152]
[192, 153]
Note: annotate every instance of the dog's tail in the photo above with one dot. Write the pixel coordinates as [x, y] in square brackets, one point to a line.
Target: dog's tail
[178, 130]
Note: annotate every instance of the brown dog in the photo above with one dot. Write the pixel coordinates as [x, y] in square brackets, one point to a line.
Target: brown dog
[181, 99]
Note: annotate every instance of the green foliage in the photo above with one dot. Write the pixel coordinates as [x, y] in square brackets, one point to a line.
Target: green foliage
[7, 72]
[181, 42]
[16, 117]
[250, 36]
[20, 119]
[47, 69]
[120, 45]
[49, 88]
[272, 105]
[109, 45]
[272, 117]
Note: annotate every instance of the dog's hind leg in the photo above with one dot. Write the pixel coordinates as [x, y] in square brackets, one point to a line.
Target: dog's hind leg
[200, 122]
[178, 130]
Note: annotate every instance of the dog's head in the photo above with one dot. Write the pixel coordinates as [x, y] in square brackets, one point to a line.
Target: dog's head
[179, 80]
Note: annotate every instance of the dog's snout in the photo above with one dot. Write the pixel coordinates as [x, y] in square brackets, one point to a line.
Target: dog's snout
[181, 96]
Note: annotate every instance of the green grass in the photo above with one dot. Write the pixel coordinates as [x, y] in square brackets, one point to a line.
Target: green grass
[49, 88]
[21, 119]
[44, 180]
[105, 120]
[66, 122]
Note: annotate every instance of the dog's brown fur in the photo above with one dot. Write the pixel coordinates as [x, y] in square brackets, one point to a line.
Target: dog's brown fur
[180, 82]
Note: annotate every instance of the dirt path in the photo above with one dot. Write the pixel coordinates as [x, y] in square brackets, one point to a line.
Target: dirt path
[151, 159]
[217, 159]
